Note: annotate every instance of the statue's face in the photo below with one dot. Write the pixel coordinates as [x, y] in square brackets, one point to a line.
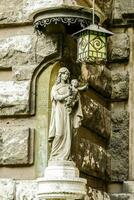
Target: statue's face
[65, 76]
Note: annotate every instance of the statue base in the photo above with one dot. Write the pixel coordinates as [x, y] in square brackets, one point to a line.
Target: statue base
[61, 181]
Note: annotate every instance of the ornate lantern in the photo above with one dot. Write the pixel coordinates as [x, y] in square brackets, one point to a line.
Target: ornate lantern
[92, 44]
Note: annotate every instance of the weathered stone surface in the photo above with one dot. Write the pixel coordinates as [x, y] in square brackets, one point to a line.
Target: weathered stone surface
[24, 9]
[121, 196]
[17, 50]
[117, 13]
[94, 194]
[120, 85]
[26, 190]
[105, 5]
[118, 47]
[119, 146]
[122, 12]
[128, 187]
[23, 72]
[91, 158]
[10, 15]
[16, 146]
[96, 117]
[100, 79]
[7, 189]
[27, 50]
[14, 98]
[47, 45]
[31, 6]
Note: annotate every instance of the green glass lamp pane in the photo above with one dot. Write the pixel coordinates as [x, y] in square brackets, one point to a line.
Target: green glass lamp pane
[83, 46]
[91, 46]
[83, 43]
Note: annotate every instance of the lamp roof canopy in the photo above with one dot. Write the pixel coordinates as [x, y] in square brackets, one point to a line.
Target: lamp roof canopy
[95, 28]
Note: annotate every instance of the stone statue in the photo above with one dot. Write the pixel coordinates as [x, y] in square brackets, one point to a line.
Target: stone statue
[66, 114]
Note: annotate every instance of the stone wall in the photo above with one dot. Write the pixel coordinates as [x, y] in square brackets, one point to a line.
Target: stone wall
[119, 50]
[121, 64]
[28, 68]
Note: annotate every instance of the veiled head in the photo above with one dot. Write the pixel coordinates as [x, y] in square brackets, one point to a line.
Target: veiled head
[63, 74]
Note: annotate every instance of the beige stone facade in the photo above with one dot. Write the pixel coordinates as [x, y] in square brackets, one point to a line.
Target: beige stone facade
[103, 146]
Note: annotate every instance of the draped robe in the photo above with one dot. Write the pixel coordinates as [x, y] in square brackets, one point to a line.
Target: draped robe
[61, 123]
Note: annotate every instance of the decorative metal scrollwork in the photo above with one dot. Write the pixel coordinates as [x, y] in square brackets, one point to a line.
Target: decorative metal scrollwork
[43, 23]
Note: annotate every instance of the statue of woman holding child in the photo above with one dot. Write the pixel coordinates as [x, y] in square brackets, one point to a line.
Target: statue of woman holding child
[66, 114]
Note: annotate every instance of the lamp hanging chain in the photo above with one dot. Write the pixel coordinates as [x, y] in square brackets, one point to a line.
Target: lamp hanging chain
[93, 10]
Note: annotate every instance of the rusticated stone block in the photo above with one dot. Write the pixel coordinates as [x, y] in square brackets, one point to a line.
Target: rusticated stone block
[16, 146]
[118, 47]
[7, 189]
[10, 15]
[17, 50]
[100, 79]
[23, 72]
[21, 50]
[96, 117]
[119, 146]
[26, 190]
[120, 86]
[93, 194]
[91, 158]
[14, 98]
[47, 45]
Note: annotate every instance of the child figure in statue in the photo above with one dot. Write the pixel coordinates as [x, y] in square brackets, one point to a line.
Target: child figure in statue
[74, 94]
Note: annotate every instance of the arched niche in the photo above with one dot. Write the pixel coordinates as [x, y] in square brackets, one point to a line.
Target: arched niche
[44, 82]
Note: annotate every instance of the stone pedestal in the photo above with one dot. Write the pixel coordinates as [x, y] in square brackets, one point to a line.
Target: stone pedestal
[61, 181]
